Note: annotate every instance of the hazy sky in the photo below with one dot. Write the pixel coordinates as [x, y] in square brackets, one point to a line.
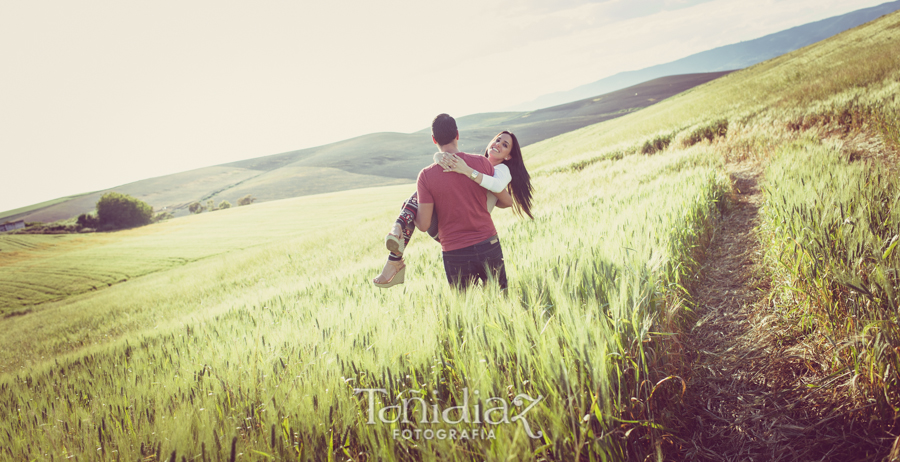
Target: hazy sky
[94, 94]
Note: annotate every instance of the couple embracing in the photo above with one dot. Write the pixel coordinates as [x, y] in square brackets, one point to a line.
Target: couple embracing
[462, 189]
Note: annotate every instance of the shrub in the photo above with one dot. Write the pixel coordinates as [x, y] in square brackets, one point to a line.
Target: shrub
[195, 207]
[888, 122]
[56, 227]
[224, 205]
[87, 220]
[657, 143]
[709, 132]
[116, 211]
[246, 200]
[164, 215]
[210, 205]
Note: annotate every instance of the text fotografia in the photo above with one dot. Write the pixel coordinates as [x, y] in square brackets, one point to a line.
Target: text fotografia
[495, 411]
[442, 434]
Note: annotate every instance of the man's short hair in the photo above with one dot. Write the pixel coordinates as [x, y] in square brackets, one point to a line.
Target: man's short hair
[443, 129]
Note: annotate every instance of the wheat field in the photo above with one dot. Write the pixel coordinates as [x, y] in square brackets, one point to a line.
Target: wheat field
[255, 333]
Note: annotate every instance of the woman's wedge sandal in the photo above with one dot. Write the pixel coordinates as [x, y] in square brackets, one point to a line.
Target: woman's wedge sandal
[397, 278]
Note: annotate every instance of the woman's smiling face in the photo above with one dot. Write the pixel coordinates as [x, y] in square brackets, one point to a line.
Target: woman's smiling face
[498, 149]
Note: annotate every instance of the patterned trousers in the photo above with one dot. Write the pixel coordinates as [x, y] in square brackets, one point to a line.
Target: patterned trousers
[407, 222]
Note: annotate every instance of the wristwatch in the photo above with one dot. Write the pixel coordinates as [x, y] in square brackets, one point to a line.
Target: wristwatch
[474, 174]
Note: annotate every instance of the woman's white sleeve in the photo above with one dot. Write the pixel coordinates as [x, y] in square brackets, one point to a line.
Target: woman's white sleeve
[499, 181]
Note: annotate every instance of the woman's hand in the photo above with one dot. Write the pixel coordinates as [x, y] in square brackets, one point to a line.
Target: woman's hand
[453, 163]
[443, 159]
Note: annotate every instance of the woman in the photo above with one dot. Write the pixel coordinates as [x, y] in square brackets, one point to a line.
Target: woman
[510, 179]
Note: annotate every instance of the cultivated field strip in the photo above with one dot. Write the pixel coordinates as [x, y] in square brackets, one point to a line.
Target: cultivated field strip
[75, 264]
[11, 243]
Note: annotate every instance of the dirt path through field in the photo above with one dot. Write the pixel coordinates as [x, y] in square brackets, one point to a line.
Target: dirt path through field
[747, 397]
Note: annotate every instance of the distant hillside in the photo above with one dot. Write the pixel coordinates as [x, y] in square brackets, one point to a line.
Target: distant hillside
[377, 159]
[729, 57]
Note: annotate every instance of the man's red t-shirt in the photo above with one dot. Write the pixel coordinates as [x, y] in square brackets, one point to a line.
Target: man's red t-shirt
[459, 202]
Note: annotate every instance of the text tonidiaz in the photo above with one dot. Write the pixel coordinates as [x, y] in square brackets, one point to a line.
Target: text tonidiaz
[495, 415]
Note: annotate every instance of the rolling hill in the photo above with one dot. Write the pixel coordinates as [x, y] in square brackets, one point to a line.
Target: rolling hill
[378, 159]
[729, 57]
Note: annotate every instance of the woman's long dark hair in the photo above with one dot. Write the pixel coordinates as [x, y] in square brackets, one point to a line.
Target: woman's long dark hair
[520, 186]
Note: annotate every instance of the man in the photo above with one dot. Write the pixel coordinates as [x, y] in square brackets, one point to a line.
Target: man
[471, 248]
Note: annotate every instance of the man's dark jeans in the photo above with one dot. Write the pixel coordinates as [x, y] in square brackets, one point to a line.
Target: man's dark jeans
[464, 266]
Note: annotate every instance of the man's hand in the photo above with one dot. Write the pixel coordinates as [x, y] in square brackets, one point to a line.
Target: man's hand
[504, 199]
[423, 216]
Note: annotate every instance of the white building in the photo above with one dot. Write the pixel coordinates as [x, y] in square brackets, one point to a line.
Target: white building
[9, 226]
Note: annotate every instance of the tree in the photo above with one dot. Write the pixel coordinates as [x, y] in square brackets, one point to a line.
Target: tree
[164, 215]
[195, 207]
[224, 205]
[87, 220]
[116, 211]
[210, 205]
[246, 200]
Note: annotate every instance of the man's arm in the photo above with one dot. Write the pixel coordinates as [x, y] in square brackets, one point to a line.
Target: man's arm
[426, 203]
[504, 199]
[423, 217]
